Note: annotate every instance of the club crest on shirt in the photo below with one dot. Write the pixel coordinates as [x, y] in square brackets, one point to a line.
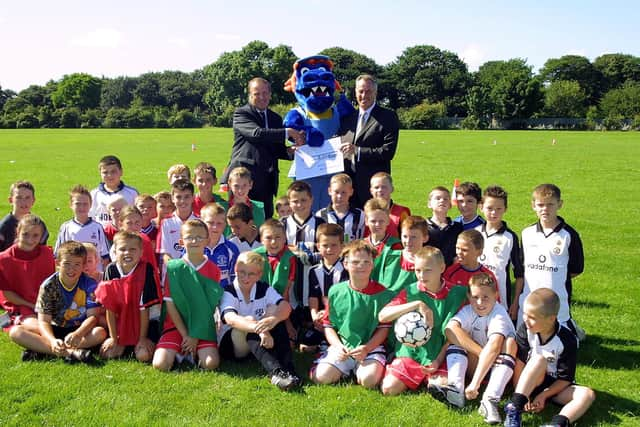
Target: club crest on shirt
[259, 313]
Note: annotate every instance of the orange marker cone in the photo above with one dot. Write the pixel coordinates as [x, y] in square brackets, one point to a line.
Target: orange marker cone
[454, 198]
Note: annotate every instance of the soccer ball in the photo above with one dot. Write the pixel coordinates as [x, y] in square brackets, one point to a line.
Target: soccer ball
[412, 330]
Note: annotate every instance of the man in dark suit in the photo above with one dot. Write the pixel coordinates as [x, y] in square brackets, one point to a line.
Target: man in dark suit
[259, 141]
[369, 139]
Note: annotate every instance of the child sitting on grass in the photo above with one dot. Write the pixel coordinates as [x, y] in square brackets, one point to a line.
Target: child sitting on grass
[67, 311]
[546, 364]
[192, 293]
[483, 342]
[253, 315]
[130, 289]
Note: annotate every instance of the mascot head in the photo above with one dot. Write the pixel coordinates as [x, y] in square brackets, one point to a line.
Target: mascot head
[313, 83]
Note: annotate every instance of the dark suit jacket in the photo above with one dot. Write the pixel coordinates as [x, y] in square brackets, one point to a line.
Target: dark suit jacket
[377, 143]
[258, 149]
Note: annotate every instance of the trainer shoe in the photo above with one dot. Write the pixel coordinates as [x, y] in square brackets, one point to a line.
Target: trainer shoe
[489, 410]
[283, 380]
[447, 393]
[81, 355]
[29, 355]
[512, 417]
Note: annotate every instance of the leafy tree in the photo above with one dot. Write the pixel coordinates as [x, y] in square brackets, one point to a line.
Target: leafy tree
[227, 77]
[68, 117]
[423, 116]
[185, 90]
[39, 96]
[623, 102]
[147, 92]
[513, 92]
[77, 90]
[565, 99]
[117, 92]
[576, 68]
[349, 64]
[426, 73]
[616, 69]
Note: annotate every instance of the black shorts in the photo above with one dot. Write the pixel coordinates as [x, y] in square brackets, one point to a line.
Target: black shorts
[548, 380]
[60, 332]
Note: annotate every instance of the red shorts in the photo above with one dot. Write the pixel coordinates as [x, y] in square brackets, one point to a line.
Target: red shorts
[172, 340]
[410, 372]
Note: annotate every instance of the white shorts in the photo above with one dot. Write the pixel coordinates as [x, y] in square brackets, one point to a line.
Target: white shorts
[349, 365]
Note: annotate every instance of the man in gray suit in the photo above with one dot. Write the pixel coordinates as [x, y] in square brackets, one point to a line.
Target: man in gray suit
[259, 141]
[369, 139]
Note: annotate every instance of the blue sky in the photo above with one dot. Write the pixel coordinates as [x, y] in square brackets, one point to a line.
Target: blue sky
[43, 40]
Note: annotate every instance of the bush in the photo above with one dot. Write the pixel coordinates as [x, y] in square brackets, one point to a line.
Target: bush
[27, 120]
[423, 116]
[593, 117]
[138, 117]
[115, 118]
[91, 119]
[184, 119]
[68, 117]
[635, 124]
[224, 120]
[613, 122]
[160, 117]
[472, 122]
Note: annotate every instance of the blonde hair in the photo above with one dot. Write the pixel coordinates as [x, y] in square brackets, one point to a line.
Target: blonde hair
[483, 280]
[341, 178]
[544, 302]
[250, 258]
[178, 169]
[212, 209]
[428, 254]
[376, 204]
[123, 236]
[359, 245]
[382, 175]
[239, 173]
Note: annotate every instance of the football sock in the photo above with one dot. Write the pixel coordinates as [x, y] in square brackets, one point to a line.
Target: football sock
[499, 377]
[266, 359]
[519, 400]
[456, 366]
[560, 420]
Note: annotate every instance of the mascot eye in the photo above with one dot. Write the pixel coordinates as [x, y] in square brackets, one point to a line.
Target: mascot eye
[303, 70]
[321, 69]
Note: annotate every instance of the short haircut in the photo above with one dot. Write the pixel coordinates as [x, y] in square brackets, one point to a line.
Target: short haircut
[483, 279]
[240, 172]
[182, 185]
[330, 230]
[439, 188]
[240, 211]
[79, 190]
[179, 169]
[341, 178]
[369, 78]
[30, 220]
[25, 185]
[415, 222]
[123, 236]
[544, 302]
[250, 258]
[110, 160]
[162, 195]
[382, 175]
[359, 245]
[71, 248]
[272, 225]
[145, 197]
[299, 187]
[91, 249]
[194, 223]
[281, 201]
[128, 211]
[544, 191]
[429, 253]
[376, 204]
[470, 189]
[258, 80]
[212, 209]
[117, 199]
[474, 237]
[204, 167]
[496, 192]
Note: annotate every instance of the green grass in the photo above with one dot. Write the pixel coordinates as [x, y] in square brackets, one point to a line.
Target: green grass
[597, 173]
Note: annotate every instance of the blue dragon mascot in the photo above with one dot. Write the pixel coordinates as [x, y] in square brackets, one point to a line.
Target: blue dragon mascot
[317, 114]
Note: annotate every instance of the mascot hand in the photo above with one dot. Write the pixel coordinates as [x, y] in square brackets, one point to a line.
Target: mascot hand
[344, 106]
[315, 138]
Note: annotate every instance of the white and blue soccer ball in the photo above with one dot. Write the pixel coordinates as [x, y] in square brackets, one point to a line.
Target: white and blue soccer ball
[412, 330]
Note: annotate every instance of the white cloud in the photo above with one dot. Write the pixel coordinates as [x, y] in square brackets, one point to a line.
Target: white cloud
[579, 52]
[227, 36]
[474, 56]
[180, 42]
[101, 37]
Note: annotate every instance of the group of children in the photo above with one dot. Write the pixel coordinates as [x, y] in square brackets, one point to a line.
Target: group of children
[190, 278]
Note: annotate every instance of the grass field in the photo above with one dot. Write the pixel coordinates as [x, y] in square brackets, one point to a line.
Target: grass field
[597, 172]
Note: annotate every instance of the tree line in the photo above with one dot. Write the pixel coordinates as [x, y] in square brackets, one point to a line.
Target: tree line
[424, 84]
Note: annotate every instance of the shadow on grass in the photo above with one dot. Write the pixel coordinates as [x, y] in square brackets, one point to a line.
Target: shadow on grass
[590, 304]
[608, 409]
[597, 352]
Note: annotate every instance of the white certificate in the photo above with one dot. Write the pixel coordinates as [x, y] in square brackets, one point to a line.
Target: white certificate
[310, 162]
